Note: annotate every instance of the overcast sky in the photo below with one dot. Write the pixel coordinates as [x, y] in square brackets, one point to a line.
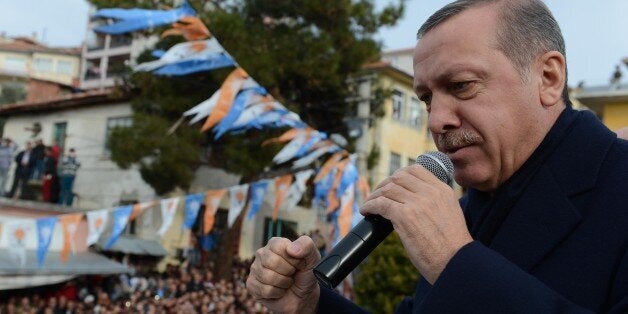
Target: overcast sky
[596, 31]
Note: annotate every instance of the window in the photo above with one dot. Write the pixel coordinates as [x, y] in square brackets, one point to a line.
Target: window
[59, 134]
[397, 105]
[395, 163]
[117, 65]
[64, 67]
[92, 71]
[15, 64]
[43, 65]
[116, 122]
[415, 113]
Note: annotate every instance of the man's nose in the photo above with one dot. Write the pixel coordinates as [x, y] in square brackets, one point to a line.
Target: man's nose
[443, 115]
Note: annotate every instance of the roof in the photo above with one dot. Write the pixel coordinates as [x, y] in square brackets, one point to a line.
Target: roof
[135, 246]
[83, 263]
[27, 45]
[91, 97]
[402, 51]
[387, 66]
[601, 93]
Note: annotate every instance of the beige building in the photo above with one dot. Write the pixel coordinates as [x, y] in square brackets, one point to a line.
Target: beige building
[26, 58]
[395, 133]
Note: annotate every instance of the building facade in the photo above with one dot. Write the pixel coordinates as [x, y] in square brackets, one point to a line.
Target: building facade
[105, 58]
[26, 58]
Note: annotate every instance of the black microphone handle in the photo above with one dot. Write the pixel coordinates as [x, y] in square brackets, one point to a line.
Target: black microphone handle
[352, 250]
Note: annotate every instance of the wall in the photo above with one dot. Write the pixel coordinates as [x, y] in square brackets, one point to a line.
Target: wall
[616, 115]
[398, 136]
[99, 182]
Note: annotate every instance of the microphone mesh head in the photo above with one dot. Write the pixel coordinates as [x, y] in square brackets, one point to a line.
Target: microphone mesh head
[439, 165]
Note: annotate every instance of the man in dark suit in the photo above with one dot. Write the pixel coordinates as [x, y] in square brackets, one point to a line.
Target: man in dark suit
[544, 225]
[25, 162]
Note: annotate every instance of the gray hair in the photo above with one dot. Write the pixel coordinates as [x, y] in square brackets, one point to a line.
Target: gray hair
[527, 29]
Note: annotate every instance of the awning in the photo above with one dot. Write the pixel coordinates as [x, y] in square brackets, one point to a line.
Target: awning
[84, 263]
[136, 246]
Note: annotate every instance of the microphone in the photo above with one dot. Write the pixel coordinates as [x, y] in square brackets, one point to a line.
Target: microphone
[372, 230]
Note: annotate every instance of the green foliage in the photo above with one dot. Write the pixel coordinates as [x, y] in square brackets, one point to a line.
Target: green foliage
[12, 92]
[302, 51]
[373, 158]
[386, 277]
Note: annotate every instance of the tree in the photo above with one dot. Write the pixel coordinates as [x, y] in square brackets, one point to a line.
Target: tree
[302, 51]
[386, 277]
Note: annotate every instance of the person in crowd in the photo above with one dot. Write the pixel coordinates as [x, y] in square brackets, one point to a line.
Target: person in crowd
[38, 154]
[7, 149]
[542, 227]
[69, 166]
[50, 185]
[56, 150]
[25, 163]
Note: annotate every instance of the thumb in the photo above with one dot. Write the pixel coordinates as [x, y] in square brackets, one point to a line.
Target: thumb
[304, 249]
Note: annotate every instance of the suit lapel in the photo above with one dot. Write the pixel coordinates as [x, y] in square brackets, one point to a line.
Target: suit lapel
[540, 220]
[544, 215]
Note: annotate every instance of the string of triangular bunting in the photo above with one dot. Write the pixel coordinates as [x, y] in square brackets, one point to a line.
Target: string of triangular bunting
[341, 191]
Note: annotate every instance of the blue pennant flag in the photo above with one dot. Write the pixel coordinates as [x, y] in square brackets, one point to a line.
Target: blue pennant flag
[236, 110]
[192, 205]
[130, 20]
[258, 191]
[317, 137]
[321, 189]
[45, 228]
[349, 176]
[211, 62]
[120, 219]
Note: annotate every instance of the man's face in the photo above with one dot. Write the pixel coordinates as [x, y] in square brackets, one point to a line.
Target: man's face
[479, 107]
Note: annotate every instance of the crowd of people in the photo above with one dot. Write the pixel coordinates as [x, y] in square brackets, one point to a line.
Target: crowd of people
[180, 289]
[39, 162]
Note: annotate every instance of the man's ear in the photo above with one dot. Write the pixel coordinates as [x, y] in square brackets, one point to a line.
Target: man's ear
[553, 78]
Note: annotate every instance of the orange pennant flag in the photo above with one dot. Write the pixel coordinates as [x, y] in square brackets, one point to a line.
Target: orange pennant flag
[364, 187]
[230, 87]
[346, 212]
[139, 208]
[190, 27]
[282, 184]
[332, 195]
[287, 136]
[212, 201]
[69, 224]
[329, 164]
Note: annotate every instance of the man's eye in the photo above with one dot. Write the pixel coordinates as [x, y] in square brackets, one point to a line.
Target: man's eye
[460, 86]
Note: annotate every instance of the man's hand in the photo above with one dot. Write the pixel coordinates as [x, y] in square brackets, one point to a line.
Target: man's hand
[281, 276]
[425, 213]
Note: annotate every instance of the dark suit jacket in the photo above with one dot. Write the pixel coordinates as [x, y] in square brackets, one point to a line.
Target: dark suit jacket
[20, 168]
[562, 249]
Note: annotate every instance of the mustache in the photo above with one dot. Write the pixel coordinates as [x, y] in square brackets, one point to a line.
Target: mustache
[456, 139]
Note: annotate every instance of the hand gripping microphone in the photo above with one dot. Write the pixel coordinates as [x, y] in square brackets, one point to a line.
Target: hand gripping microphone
[372, 230]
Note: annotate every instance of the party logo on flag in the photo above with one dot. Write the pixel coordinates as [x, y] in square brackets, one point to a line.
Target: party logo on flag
[237, 198]
[96, 223]
[212, 201]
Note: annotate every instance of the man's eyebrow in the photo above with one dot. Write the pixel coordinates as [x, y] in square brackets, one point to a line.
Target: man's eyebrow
[452, 71]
